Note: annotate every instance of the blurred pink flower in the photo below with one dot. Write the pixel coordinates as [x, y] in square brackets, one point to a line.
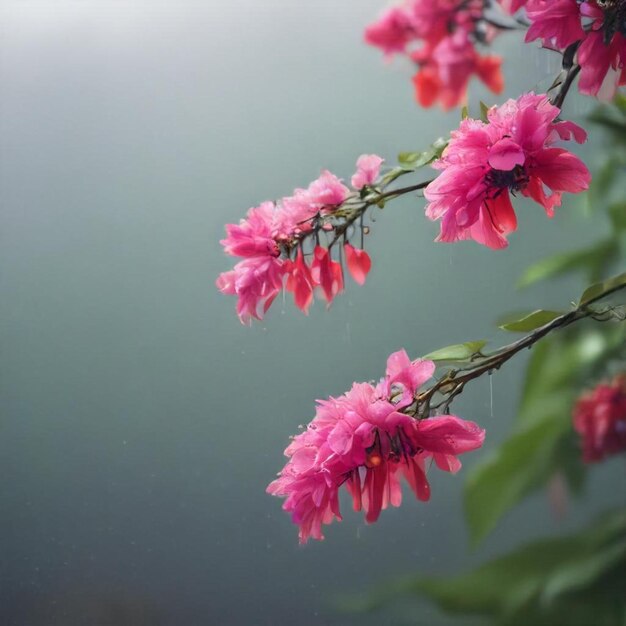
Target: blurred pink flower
[440, 37]
[512, 153]
[367, 170]
[391, 32]
[445, 72]
[600, 420]
[358, 262]
[364, 441]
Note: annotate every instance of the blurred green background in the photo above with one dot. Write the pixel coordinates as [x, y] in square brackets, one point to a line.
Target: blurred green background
[140, 422]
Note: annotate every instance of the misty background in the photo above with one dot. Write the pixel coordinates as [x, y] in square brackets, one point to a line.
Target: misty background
[140, 421]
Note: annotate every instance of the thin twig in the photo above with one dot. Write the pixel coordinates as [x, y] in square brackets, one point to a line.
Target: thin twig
[455, 380]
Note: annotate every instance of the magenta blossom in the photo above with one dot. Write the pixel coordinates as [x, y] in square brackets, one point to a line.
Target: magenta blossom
[600, 420]
[271, 242]
[358, 262]
[327, 192]
[392, 32]
[256, 282]
[599, 27]
[440, 37]
[446, 69]
[365, 441]
[367, 170]
[511, 153]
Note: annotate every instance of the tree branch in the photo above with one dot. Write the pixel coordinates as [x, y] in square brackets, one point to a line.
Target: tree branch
[455, 380]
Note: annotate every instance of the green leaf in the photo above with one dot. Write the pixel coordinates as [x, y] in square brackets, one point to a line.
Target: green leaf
[484, 109]
[544, 442]
[516, 468]
[458, 352]
[410, 161]
[595, 291]
[576, 580]
[583, 570]
[570, 463]
[593, 259]
[531, 321]
[464, 112]
[617, 213]
[408, 158]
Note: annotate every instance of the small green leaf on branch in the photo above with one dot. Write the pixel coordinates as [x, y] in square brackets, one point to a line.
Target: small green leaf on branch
[531, 321]
[595, 292]
[484, 109]
[457, 352]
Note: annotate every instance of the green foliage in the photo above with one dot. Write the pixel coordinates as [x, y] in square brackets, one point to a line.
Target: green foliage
[484, 110]
[515, 468]
[594, 291]
[458, 353]
[531, 321]
[617, 213]
[570, 581]
[560, 367]
[411, 161]
[542, 443]
[592, 260]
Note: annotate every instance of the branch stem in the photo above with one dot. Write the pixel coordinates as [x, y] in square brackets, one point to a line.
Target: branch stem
[455, 380]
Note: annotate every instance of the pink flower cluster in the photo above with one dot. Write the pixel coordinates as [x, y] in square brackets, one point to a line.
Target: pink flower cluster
[365, 441]
[598, 26]
[270, 241]
[513, 152]
[440, 37]
[600, 420]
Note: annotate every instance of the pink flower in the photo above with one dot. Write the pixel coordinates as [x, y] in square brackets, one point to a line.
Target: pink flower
[392, 32]
[300, 282]
[602, 57]
[364, 441]
[446, 70]
[294, 215]
[367, 170]
[599, 29]
[440, 36]
[434, 20]
[513, 153]
[253, 235]
[600, 420]
[326, 273]
[327, 192]
[555, 22]
[270, 233]
[256, 282]
[358, 262]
